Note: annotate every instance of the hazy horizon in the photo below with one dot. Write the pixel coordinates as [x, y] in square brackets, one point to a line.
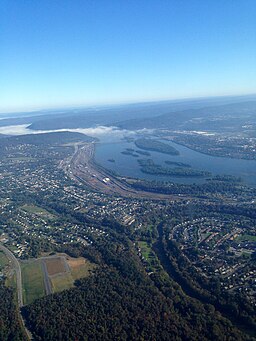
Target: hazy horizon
[100, 106]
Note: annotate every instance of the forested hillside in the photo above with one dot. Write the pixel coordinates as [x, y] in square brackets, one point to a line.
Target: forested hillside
[121, 302]
[9, 324]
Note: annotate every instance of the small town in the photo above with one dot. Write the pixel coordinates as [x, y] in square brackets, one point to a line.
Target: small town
[224, 244]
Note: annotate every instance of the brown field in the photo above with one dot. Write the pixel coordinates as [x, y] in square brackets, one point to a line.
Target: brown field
[80, 267]
[57, 272]
[55, 265]
[76, 262]
[64, 270]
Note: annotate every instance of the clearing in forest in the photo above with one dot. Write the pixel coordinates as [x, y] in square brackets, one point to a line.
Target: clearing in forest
[32, 280]
[75, 268]
[52, 274]
[56, 265]
[38, 211]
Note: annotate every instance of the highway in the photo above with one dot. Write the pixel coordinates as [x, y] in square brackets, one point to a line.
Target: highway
[17, 269]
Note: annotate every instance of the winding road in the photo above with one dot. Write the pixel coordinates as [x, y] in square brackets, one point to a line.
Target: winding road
[17, 269]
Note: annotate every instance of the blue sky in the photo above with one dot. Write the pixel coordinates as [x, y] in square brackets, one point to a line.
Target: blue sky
[56, 53]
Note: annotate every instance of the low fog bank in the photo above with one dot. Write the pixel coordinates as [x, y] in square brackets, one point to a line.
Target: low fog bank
[100, 132]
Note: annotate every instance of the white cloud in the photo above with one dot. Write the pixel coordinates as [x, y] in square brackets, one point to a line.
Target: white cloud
[104, 133]
[15, 130]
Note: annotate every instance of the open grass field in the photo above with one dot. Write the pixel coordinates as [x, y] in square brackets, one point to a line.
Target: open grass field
[75, 268]
[61, 270]
[55, 266]
[145, 249]
[62, 282]
[80, 267]
[149, 256]
[32, 281]
[39, 211]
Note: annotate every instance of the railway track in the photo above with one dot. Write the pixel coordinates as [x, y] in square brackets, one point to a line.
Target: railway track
[81, 166]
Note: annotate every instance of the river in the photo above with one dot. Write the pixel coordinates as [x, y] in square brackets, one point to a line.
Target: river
[128, 165]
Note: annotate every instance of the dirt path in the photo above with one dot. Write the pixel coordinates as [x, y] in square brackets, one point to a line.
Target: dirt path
[47, 282]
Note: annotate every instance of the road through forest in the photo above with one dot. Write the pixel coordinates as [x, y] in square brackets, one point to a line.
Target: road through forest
[16, 267]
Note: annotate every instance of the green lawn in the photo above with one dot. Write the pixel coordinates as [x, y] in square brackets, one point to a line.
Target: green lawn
[248, 237]
[38, 211]
[62, 282]
[82, 270]
[79, 268]
[145, 249]
[149, 256]
[32, 281]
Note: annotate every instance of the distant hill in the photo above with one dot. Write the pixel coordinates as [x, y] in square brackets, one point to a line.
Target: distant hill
[46, 139]
[87, 117]
[131, 116]
[208, 118]
[107, 116]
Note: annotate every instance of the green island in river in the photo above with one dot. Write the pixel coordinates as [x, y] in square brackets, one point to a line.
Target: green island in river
[156, 146]
[149, 167]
